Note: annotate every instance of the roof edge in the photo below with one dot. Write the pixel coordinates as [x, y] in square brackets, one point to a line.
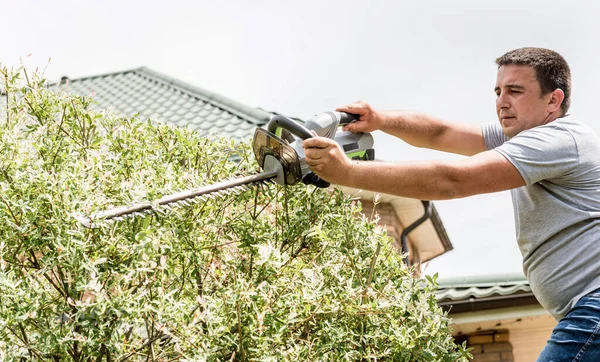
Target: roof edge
[100, 75]
[254, 115]
[499, 314]
[496, 301]
[487, 280]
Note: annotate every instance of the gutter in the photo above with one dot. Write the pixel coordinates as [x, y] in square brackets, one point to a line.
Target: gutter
[411, 227]
[494, 315]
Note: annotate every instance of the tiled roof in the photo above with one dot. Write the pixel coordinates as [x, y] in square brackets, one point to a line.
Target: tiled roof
[166, 99]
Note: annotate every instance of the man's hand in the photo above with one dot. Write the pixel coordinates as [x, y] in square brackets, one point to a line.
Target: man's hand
[370, 120]
[326, 158]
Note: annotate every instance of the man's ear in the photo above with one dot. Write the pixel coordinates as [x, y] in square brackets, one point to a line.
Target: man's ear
[555, 100]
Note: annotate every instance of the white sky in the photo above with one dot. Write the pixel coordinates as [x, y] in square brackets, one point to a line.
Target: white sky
[304, 57]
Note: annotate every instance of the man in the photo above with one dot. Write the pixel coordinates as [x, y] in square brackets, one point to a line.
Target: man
[547, 158]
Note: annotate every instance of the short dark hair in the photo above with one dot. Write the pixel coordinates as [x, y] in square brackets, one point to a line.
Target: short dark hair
[551, 70]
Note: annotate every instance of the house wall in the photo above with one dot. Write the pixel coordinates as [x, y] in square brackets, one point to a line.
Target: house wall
[491, 345]
[527, 337]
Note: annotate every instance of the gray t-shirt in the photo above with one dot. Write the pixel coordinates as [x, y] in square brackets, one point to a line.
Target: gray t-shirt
[557, 213]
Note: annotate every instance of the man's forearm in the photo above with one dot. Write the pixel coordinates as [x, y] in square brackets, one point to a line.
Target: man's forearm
[418, 180]
[426, 131]
[438, 180]
[415, 128]
[481, 173]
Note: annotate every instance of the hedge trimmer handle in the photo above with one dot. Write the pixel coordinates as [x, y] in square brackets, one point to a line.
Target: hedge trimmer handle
[346, 118]
[324, 124]
[289, 125]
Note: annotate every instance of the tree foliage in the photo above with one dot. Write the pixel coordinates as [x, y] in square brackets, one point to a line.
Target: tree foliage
[271, 274]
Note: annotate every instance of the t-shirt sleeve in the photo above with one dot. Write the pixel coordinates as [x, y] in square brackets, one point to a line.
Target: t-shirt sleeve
[492, 135]
[542, 153]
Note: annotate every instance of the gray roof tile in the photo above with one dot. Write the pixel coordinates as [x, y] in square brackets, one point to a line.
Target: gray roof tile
[165, 99]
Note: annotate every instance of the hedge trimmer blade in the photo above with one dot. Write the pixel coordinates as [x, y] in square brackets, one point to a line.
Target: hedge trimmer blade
[183, 198]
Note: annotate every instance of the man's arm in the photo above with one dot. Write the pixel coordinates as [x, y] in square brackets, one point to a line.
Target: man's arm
[423, 130]
[482, 173]
[418, 129]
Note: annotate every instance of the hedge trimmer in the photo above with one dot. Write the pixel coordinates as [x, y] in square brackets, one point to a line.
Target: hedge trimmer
[278, 150]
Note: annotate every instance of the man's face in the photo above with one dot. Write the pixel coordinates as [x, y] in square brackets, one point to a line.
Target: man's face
[519, 105]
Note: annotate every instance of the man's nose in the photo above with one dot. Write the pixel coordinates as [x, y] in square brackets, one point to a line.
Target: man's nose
[502, 101]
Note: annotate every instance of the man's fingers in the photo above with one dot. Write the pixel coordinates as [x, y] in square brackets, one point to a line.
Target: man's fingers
[363, 110]
[358, 107]
[324, 156]
[314, 153]
[311, 162]
[358, 126]
[317, 151]
[317, 142]
[350, 127]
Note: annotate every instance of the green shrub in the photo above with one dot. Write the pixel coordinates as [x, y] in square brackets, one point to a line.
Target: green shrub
[274, 273]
